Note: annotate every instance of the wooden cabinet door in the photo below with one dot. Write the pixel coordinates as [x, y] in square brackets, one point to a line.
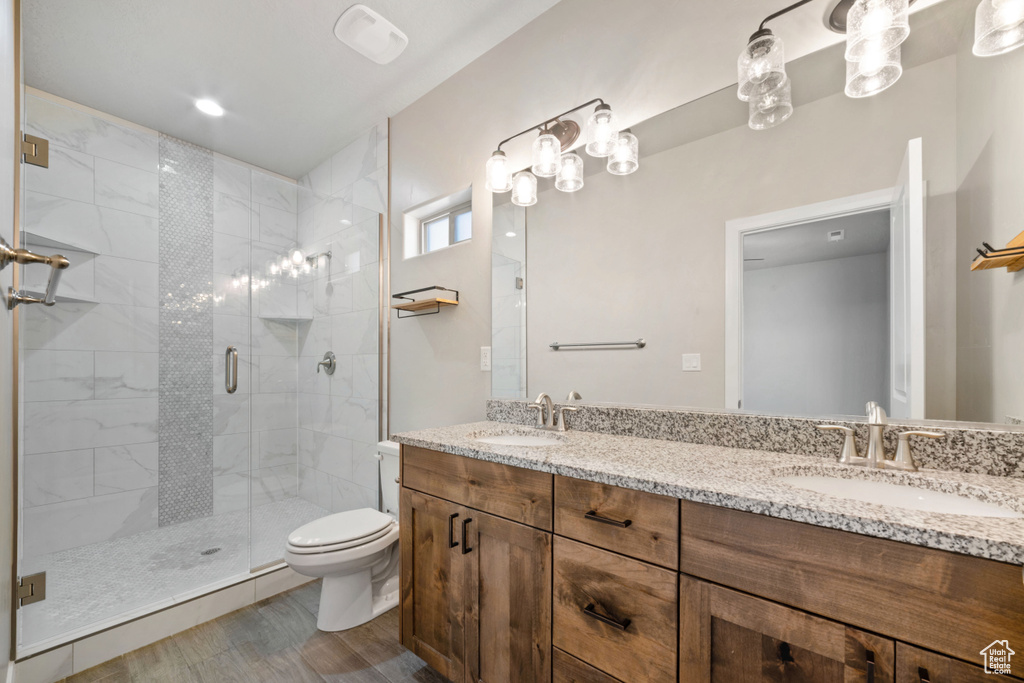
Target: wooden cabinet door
[508, 601]
[433, 581]
[730, 637]
[920, 666]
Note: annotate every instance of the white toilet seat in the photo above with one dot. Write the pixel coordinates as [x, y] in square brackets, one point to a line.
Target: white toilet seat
[344, 545]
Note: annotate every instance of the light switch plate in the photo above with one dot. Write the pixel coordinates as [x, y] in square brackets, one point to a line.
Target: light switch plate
[485, 357]
[691, 362]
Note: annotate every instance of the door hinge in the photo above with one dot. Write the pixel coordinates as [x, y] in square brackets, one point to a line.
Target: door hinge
[35, 151]
[519, 283]
[31, 589]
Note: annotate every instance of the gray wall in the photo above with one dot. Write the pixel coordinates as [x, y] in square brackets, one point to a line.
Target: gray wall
[8, 83]
[643, 255]
[989, 201]
[815, 336]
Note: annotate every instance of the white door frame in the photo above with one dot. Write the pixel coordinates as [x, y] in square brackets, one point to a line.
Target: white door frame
[735, 230]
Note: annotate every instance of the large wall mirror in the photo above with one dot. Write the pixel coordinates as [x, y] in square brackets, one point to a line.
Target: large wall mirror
[802, 270]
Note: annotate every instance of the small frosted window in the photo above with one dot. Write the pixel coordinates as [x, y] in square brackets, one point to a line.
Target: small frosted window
[463, 227]
[435, 234]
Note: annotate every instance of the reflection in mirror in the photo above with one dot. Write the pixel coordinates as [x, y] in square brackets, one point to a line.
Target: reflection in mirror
[899, 319]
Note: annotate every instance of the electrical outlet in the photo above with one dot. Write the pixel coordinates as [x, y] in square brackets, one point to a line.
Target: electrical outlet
[691, 362]
[485, 357]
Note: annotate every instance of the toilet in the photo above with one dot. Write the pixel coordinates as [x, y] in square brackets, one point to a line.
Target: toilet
[356, 554]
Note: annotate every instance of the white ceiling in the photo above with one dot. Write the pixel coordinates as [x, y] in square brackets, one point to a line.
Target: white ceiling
[293, 93]
[865, 233]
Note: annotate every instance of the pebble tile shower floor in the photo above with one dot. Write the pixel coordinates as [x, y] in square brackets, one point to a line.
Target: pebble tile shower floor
[91, 583]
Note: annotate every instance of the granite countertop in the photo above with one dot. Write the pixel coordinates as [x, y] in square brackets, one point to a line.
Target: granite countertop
[747, 480]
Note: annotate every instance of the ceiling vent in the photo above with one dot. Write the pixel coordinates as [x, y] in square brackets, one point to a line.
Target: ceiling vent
[836, 235]
[370, 34]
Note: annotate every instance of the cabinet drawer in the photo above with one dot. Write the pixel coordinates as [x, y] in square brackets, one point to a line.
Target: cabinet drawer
[511, 492]
[911, 593]
[635, 523]
[914, 666]
[568, 669]
[615, 613]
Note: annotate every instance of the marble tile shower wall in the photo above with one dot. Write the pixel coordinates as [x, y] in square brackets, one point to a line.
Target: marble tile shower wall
[254, 224]
[340, 203]
[91, 371]
[90, 376]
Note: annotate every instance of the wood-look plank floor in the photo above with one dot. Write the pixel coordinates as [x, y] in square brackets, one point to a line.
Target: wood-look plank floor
[273, 641]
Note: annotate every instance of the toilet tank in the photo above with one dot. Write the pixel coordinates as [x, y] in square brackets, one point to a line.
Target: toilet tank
[387, 453]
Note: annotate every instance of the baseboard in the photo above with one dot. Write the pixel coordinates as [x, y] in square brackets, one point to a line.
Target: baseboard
[10, 672]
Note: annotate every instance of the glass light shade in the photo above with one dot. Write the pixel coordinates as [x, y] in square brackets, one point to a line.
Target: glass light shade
[547, 156]
[998, 27]
[570, 178]
[761, 67]
[602, 132]
[768, 111]
[626, 157]
[524, 189]
[499, 179]
[873, 74]
[876, 26]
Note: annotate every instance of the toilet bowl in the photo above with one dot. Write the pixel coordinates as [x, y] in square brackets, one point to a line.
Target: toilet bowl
[355, 553]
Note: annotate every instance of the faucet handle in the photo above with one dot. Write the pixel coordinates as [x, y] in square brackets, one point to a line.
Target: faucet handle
[562, 410]
[904, 459]
[573, 396]
[849, 454]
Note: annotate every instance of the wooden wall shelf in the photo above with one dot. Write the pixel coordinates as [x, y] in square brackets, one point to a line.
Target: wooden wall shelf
[1011, 258]
[418, 307]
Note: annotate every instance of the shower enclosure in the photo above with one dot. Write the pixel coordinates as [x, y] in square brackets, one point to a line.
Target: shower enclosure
[173, 423]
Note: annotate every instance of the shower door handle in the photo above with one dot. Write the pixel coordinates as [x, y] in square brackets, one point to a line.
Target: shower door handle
[231, 369]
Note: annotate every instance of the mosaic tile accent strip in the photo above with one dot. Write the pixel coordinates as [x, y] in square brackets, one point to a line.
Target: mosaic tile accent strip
[971, 449]
[185, 477]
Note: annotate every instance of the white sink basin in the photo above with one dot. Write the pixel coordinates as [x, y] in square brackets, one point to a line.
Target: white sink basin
[519, 440]
[900, 496]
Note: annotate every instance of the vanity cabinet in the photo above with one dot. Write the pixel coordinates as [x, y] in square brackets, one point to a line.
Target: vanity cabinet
[730, 637]
[920, 666]
[476, 588]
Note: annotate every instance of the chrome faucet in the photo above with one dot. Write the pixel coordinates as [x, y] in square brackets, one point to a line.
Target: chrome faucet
[877, 419]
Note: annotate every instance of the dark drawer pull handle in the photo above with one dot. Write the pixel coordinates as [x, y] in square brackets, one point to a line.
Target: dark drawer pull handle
[923, 675]
[870, 656]
[452, 543]
[604, 520]
[621, 625]
[465, 541]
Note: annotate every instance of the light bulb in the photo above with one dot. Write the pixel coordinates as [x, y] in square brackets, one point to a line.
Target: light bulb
[498, 177]
[873, 74]
[524, 189]
[274, 269]
[297, 257]
[570, 178]
[235, 283]
[285, 263]
[547, 156]
[602, 132]
[768, 111]
[624, 159]
[306, 268]
[761, 67]
[998, 27]
[877, 19]
[872, 63]
[876, 26]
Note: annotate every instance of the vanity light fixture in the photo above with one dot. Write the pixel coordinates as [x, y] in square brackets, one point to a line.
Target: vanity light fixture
[998, 27]
[550, 158]
[873, 74]
[875, 29]
[762, 78]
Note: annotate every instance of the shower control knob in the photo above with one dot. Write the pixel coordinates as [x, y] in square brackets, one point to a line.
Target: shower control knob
[328, 363]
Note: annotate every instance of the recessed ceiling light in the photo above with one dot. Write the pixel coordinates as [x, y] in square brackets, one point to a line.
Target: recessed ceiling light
[209, 107]
[370, 34]
[510, 234]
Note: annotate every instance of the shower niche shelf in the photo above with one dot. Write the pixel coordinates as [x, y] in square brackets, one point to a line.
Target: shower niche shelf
[34, 239]
[60, 298]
